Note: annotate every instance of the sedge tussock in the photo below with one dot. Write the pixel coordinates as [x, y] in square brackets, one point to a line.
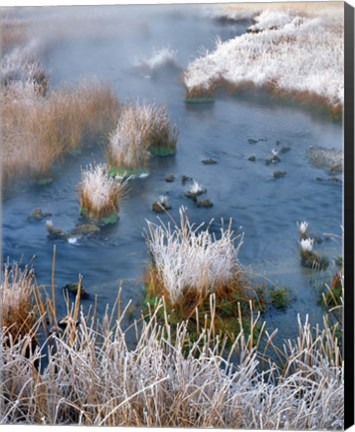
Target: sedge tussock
[16, 301]
[190, 263]
[37, 130]
[99, 193]
[285, 52]
[91, 376]
[140, 129]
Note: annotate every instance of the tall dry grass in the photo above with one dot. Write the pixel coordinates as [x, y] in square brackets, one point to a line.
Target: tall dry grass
[17, 310]
[142, 128]
[37, 130]
[92, 377]
[13, 33]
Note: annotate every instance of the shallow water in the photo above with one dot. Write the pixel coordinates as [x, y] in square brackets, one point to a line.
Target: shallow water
[266, 208]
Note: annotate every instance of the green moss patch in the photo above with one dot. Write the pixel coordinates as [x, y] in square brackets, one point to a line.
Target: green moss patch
[162, 151]
[279, 297]
[44, 181]
[111, 218]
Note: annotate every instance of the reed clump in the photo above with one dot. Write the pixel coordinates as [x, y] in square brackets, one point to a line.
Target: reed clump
[189, 264]
[37, 130]
[142, 129]
[100, 194]
[17, 310]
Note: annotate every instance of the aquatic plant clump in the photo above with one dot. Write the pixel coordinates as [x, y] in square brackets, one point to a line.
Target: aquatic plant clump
[142, 129]
[16, 301]
[190, 261]
[99, 193]
[164, 58]
[312, 43]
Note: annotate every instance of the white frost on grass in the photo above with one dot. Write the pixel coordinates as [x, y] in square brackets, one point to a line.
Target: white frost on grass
[306, 244]
[305, 53]
[188, 257]
[159, 59]
[140, 126]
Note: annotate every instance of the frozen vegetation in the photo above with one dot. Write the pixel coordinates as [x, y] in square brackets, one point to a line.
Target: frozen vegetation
[85, 373]
[189, 258]
[160, 59]
[99, 193]
[287, 52]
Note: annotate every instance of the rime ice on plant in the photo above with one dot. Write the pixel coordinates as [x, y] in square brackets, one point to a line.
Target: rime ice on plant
[99, 193]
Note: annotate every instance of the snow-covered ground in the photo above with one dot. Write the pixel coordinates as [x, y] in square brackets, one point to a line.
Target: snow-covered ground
[284, 50]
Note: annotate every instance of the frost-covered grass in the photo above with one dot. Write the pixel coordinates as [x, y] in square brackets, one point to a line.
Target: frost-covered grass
[142, 128]
[195, 190]
[91, 376]
[99, 193]
[189, 262]
[160, 59]
[17, 316]
[294, 54]
[37, 129]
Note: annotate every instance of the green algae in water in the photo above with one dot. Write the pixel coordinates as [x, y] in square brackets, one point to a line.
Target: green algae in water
[44, 181]
[162, 151]
[111, 218]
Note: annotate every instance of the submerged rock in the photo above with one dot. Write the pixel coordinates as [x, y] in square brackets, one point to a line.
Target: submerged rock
[252, 158]
[185, 178]
[38, 214]
[285, 149]
[279, 173]
[72, 288]
[209, 161]
[204, 203]
[169, 178]
[272, 159]
[85, 229]
[252, 141]
[54, 233]
[160, 207]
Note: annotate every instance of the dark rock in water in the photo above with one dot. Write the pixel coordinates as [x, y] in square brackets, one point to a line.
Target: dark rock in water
[37, 214]
[54, 233]
[85, 229]
[209, 161]
[252, 141]
[73, 289]
[312, 260]
[185, 179]
[160, 207]
[278, 142]
[285, 149]
[169, 178]
[204, 203]
[279, 173]
[272, 159]
[252, 158]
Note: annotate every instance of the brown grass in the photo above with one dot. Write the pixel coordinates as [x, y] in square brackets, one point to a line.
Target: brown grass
[17, 311]
[37, 131]
[13, 32]
[306, 99]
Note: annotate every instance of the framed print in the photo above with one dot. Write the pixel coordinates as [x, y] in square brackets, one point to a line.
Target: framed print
[177, 215]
